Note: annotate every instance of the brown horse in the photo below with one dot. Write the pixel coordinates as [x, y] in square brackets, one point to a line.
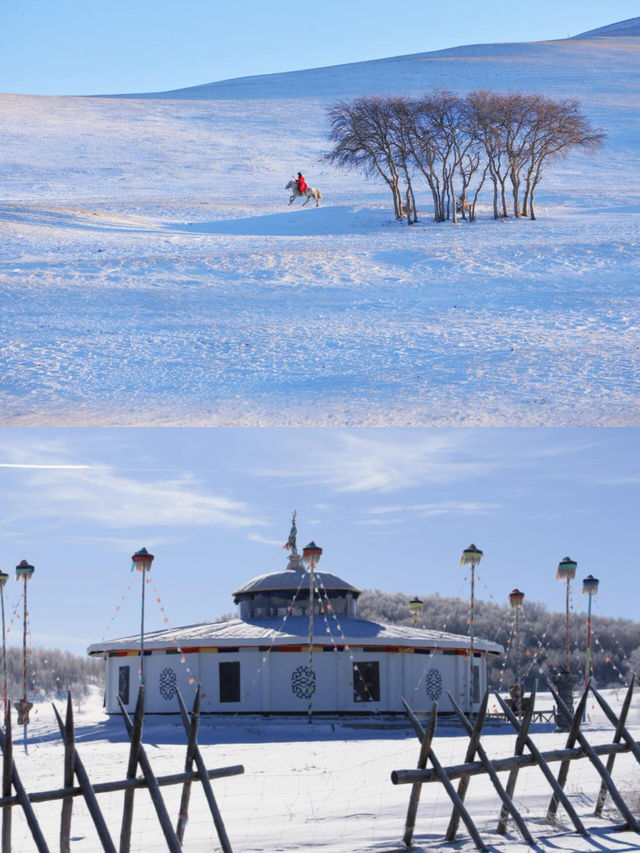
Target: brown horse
[309, 193]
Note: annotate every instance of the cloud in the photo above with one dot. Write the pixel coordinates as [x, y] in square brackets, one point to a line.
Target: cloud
[428, 510]
[44, 467]
[264, 540]
[56, 492]
[101, 495]
[377, 461]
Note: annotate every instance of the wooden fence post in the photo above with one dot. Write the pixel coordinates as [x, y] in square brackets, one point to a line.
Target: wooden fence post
[7, 759]
[192, 742]
[463, 784]
[597, 763]
[572, 736]
[67, 803]
[518, 750]
[87, 792]
[132, 767]
[161, 810]
[497, 784]
[544, 767]
[446, 782]
[206, 784]
[624, 732]
[602, 796]
[416, 788]
[23, 797]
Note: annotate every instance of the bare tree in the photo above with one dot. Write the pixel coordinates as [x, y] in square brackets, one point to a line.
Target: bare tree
[361, 136]
[488, 109]
[455, 142]
[557, 128]
[401, 126]
[433, 135]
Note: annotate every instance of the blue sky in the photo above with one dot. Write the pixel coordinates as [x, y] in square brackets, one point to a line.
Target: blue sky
[392, 508]
[75, 47]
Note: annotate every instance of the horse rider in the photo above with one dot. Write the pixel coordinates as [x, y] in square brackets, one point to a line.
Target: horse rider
[302, 184]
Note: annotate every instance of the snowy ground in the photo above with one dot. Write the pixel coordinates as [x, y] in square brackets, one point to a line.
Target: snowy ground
[326, 788]
[151, 273]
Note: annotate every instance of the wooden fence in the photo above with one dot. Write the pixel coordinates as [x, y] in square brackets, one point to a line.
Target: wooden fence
[622, 742]
[14, 793]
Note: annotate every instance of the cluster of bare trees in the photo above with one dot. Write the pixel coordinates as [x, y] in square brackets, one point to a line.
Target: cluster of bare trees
[457, 144]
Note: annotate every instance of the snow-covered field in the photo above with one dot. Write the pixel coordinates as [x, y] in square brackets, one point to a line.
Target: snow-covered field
[151, 272]
[324, 788]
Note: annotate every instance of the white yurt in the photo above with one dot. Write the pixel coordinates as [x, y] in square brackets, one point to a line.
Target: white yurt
[280, 656]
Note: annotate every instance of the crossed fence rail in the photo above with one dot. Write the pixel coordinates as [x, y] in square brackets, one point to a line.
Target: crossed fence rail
[14, 793]
[622, 742]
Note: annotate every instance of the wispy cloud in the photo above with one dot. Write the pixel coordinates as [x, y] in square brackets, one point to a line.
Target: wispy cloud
[370, 462]
[428, 510]
[264, 540]
[45, 467]
[56, 492]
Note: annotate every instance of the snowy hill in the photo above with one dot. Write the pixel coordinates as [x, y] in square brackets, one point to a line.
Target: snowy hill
[630, 27]
[152, 273]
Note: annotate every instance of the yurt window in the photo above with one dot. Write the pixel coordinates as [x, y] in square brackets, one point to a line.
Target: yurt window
[366, 681]
[229, 676]
[123, 683]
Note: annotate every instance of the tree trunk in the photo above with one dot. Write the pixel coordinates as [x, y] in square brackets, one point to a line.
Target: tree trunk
[516, 197]
[452, 193]
[496, 215]
[503, 198]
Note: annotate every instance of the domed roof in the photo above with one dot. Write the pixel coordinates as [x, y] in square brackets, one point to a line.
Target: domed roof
[294, 577]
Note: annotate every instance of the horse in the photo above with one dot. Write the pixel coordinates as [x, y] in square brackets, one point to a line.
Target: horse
[309, 193]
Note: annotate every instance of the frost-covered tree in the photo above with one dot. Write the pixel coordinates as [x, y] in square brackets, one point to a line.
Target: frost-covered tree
[361, 134]
[455, 142]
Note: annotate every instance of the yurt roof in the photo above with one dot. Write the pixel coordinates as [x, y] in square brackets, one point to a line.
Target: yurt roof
[292, 579]
[294, 631]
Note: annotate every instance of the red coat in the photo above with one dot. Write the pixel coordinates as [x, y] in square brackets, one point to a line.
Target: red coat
[302, 184]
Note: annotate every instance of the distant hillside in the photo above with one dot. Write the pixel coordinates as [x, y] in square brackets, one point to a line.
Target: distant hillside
[629, 27]
[490, 66]
[615, 645]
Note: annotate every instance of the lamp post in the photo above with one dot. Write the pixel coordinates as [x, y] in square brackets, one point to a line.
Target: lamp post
[24, 570]
[471, 556]
[311, 554]
[141, 562]
[564, 681]
[4, 577]
[590, 588]
[415, 608]
[516, 597]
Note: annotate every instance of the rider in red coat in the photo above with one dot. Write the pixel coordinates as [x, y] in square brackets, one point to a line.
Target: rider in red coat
[302, 184]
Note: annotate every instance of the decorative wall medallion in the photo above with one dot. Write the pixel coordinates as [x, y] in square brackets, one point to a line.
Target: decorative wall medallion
[433, 683]
[168, 683]
[303, 682]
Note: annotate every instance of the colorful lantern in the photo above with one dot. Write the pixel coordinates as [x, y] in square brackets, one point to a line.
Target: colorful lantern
[141, 560]
[590, 585]
[471, 555]
[516, 598]
[24, 570]
[311, 554]
[415, 606]
[566, 569]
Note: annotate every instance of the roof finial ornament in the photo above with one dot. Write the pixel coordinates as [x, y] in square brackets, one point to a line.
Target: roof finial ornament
[291, 544]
